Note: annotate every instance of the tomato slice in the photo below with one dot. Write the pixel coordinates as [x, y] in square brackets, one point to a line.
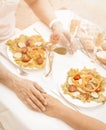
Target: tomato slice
[24, 50]
[77, 77]
[29, 42]
[98, 89]
[25, 58]
[72, 88]
[39, 60]
[85, 96]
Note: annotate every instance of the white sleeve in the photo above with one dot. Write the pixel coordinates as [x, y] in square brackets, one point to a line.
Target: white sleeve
[7, 18]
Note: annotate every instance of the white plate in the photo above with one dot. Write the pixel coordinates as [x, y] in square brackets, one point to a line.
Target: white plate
[10, 56]
[77, 102]
[76, 62]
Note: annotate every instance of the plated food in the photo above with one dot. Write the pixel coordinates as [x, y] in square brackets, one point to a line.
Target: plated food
[85, 85]
[27, 51]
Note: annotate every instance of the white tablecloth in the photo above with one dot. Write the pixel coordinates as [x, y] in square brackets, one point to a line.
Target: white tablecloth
[14, 115]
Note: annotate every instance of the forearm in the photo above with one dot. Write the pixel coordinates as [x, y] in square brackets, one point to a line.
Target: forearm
[42, 9]
[79, 121]
[6, 77]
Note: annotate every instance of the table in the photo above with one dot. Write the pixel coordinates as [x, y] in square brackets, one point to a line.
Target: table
[14, 115]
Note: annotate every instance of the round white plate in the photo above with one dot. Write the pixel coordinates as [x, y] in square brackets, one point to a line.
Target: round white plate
[77, 102]
[10, 55]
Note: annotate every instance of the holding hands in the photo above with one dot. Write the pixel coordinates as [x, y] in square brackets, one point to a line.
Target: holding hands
[30, 93]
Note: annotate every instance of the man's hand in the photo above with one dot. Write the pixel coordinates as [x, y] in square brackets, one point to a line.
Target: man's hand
[30, 93]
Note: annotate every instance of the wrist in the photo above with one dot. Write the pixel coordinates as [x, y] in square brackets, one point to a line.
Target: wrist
[13, 82]
[65, 113]
[9, 79]
[61, 112]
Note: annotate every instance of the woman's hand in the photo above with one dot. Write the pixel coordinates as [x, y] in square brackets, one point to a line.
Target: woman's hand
[60, 35]
[30, 93]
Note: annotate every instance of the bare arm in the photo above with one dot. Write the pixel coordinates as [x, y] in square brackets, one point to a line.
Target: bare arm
[42, 9]
[28, 91]
[5, 76]
[46, 13]
[75, 119]
[80, 121]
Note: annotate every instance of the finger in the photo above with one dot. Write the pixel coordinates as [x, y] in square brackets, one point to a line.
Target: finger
[31, 104]
[37, 102]
[44, 95]
[39, 96]
[36, 86]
